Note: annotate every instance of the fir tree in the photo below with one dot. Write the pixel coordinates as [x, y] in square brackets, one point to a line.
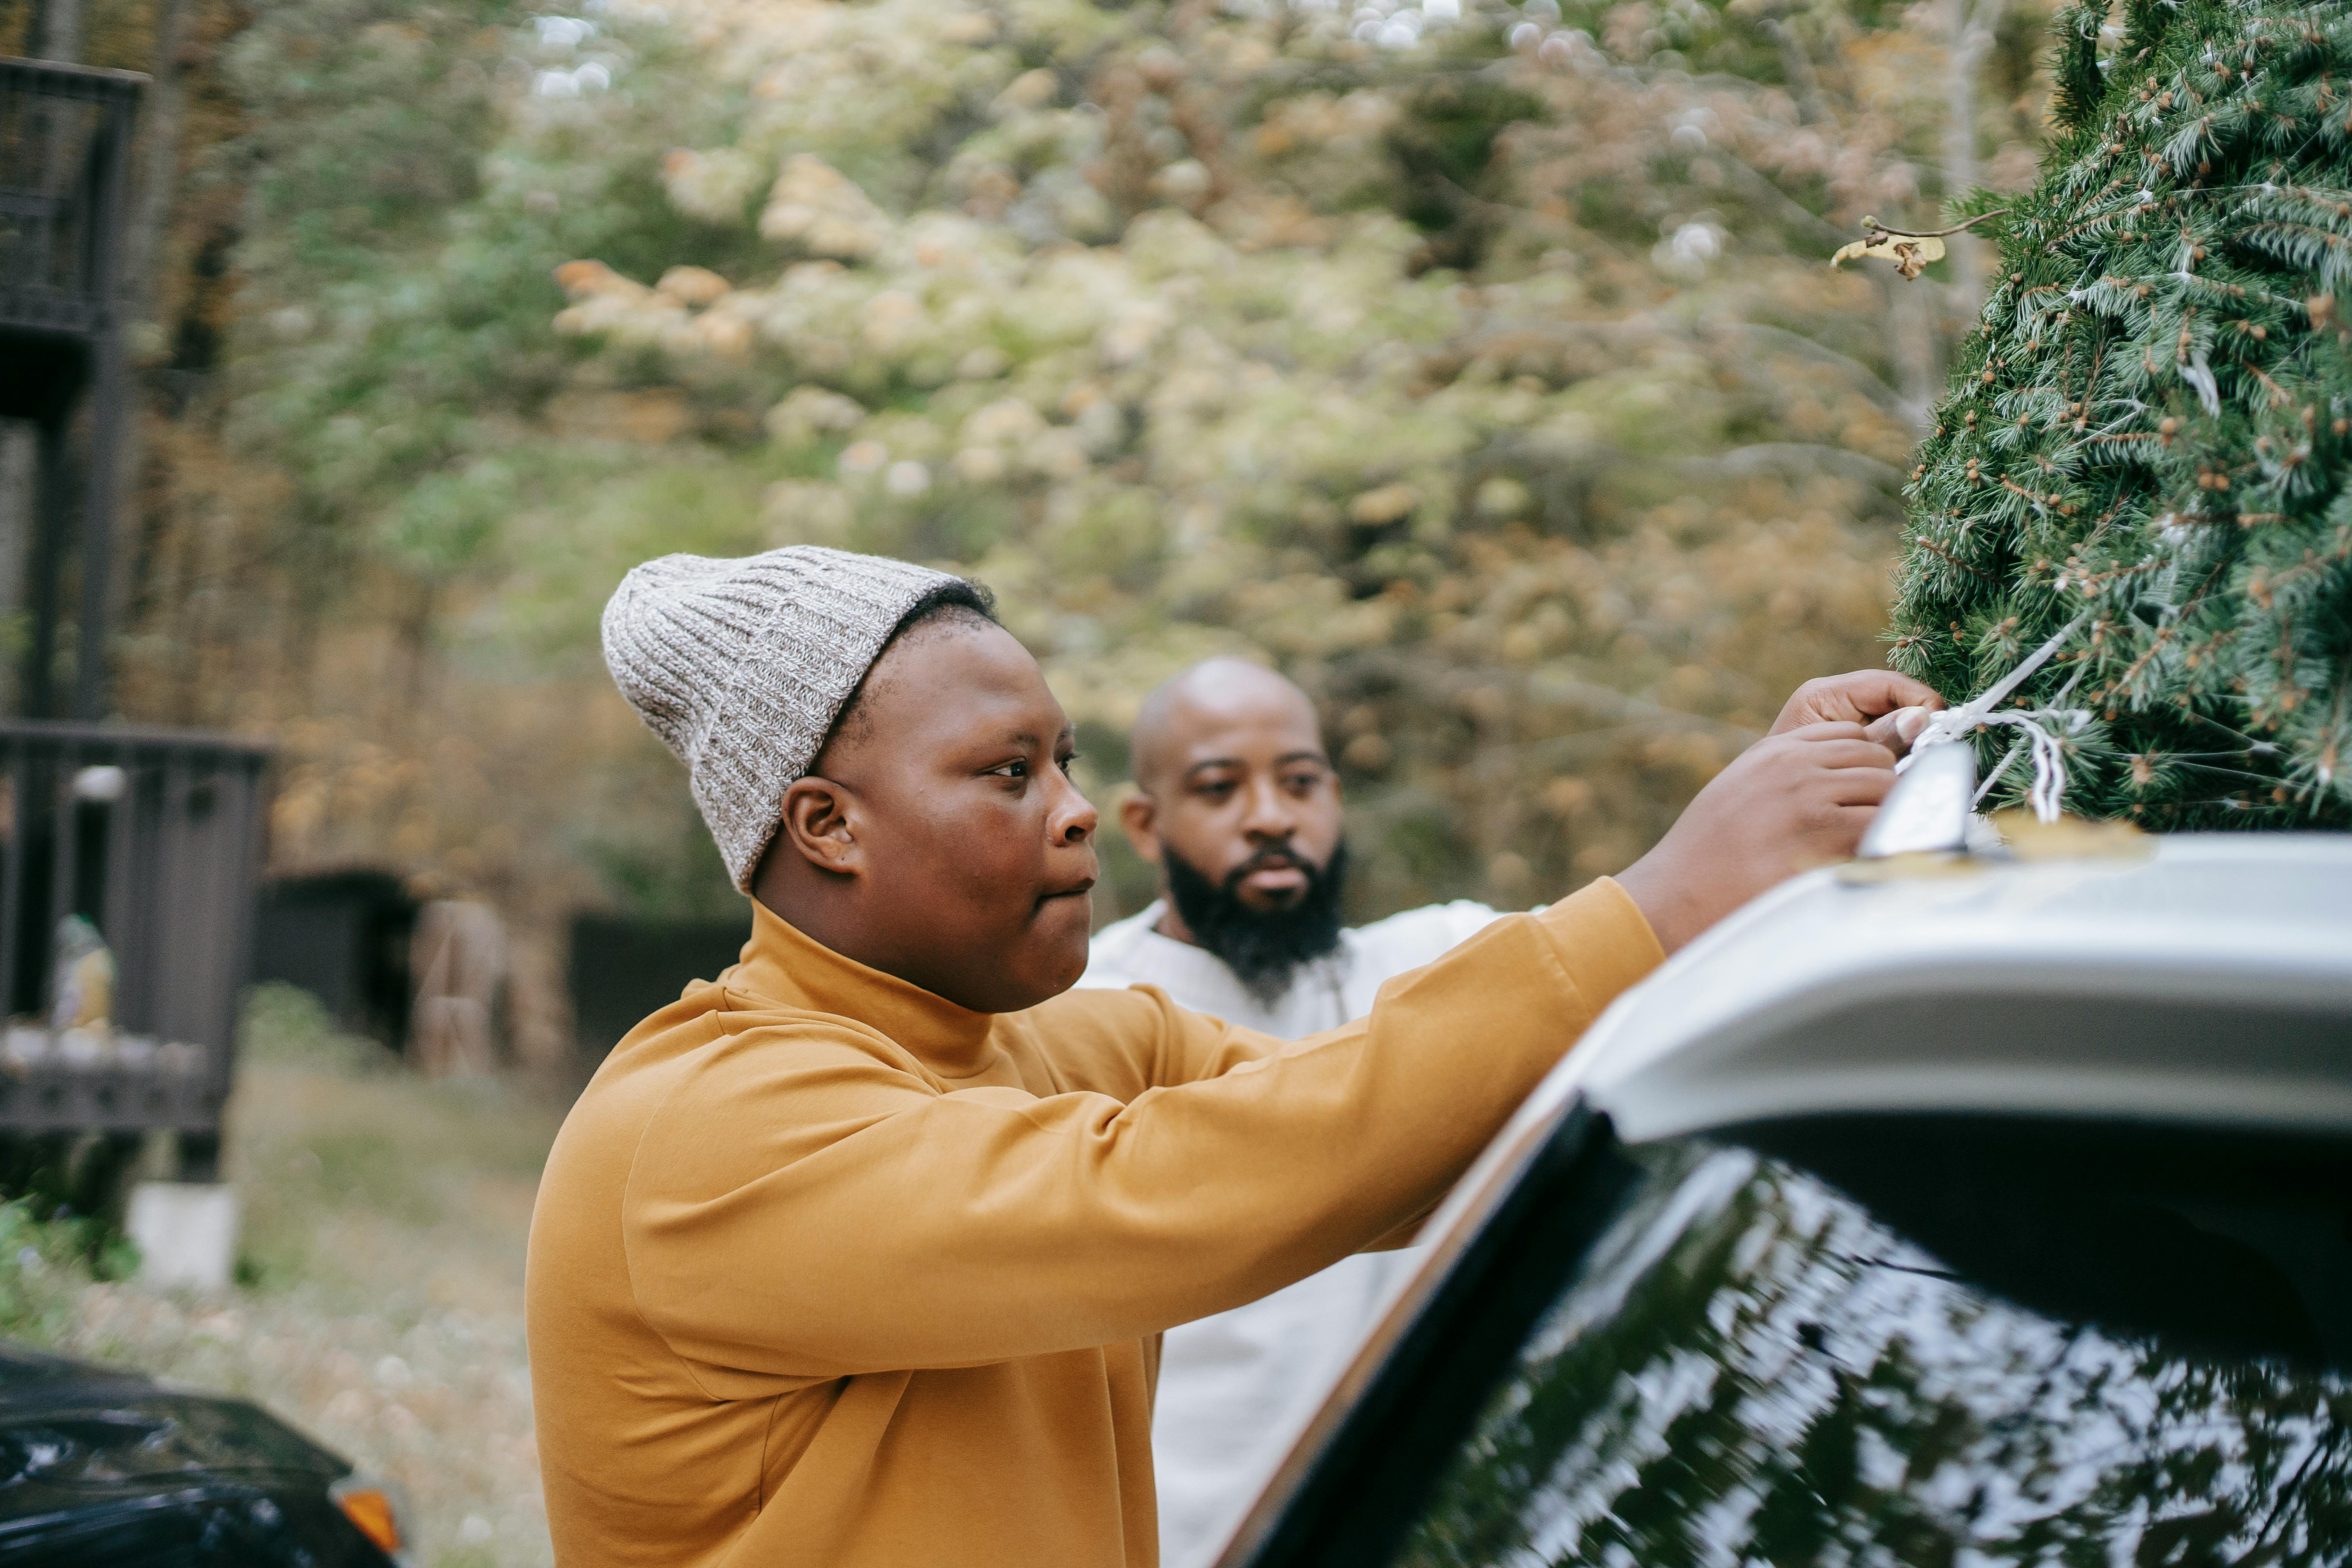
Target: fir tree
[2146, 443]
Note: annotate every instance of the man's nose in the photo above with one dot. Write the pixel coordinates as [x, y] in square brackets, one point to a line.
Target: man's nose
[1073, 818]
[1270, 815]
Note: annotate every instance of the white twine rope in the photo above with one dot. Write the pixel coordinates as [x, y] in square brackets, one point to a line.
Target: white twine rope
[2045, 728]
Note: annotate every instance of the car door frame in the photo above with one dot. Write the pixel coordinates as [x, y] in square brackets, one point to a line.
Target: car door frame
[1361, 1471]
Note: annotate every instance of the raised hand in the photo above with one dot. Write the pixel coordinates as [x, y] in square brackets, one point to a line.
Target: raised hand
[1894, 707]
[1799, 797]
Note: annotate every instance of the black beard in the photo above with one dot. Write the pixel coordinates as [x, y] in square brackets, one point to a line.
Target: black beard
[1263, 948]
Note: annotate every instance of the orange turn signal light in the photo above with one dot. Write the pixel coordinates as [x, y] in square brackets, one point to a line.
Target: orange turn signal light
[370, 1508]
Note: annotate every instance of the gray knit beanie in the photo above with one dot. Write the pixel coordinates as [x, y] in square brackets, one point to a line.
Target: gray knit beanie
[741, 667]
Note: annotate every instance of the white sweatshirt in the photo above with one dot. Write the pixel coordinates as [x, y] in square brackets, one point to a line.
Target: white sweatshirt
[1235, 1389]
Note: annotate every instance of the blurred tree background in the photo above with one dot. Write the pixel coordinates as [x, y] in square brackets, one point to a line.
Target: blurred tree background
[1476, 362]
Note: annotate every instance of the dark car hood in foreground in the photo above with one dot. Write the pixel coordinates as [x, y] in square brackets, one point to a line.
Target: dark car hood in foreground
[75, 1437]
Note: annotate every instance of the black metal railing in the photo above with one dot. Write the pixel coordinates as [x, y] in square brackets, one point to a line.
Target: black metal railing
[154, 837]
[65, 148]
[65, 160]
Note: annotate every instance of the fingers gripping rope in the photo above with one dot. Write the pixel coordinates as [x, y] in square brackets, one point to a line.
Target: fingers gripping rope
[2045, 728]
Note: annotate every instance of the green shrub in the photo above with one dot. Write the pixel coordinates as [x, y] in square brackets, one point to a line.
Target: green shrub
[44, 1263]
[287, 1026]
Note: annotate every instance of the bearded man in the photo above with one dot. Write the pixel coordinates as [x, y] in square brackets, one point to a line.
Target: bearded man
[1236, 802]
[858, 1256]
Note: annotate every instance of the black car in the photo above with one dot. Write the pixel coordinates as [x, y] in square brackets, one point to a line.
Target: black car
[99, 1467]
[1951, 1213]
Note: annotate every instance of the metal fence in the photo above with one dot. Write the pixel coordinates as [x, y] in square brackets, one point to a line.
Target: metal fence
[65, 142]
[154, 837]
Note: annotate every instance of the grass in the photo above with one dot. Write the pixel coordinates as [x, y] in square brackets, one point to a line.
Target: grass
[379, 1303]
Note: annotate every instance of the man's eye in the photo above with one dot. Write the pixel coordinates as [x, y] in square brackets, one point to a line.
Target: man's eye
[1016, 769]
[1067, 763]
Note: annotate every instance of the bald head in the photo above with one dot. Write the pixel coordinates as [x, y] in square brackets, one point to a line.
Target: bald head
[1234, 784]
[1214, 695]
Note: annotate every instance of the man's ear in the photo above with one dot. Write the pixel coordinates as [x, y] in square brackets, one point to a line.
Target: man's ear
[1137, 812]
[818, 824]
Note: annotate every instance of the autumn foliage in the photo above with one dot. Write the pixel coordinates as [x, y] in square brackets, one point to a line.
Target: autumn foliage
[1476, 362]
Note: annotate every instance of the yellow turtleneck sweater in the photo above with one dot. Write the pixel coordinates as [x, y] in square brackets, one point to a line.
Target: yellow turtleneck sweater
[828, 1273]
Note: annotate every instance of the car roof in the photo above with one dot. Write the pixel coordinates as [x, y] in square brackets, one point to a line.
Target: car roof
[2203, 979]
[39, 1377]
[2197, 978]
[2207, 981]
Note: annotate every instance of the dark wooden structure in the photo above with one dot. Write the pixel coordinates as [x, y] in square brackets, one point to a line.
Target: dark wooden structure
[623, 970]
[65, 160]
[343, 936]
[152, 836]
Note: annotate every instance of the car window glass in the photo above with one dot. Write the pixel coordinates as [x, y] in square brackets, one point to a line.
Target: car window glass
[1753, 1367]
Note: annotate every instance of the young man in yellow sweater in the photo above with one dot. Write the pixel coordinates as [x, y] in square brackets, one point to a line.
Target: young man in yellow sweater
[858, 1256]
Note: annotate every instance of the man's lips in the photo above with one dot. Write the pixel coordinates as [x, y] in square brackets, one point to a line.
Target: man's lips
[1075, 890]
[1276, 877]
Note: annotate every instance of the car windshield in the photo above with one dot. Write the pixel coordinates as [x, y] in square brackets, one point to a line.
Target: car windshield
[2141, 1365]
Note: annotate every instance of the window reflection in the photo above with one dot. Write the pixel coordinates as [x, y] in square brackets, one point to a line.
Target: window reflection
[1752, 1368]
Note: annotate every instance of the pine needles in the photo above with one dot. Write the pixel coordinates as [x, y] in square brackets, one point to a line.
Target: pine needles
[2152, 429]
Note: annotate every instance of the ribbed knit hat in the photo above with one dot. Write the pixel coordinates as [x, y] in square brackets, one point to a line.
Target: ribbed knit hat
[741, 667]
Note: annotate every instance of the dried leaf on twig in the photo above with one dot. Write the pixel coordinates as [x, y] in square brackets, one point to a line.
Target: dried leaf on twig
[1909, 255]
[1910, 251]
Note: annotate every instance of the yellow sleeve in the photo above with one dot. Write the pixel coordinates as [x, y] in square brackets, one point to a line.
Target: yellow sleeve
[1122, 1042]
[808, 1206]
